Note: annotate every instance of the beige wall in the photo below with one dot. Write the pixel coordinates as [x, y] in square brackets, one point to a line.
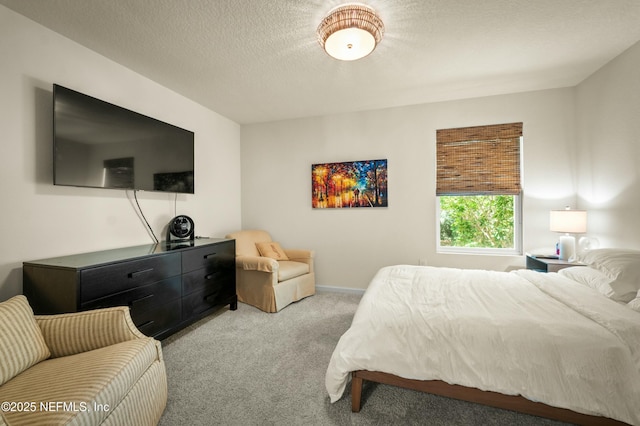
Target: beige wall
[351, 245]
[608, 135]
[581, 149]
[40, 220]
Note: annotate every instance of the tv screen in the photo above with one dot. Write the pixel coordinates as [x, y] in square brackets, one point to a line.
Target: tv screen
[100, 145]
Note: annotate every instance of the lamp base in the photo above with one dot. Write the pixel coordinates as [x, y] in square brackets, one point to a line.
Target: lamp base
[567, 246]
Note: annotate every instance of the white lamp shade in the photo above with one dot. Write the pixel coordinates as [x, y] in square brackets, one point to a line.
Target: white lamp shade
[568, 221]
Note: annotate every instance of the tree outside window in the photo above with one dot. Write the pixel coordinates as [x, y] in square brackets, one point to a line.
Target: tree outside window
[478, 221]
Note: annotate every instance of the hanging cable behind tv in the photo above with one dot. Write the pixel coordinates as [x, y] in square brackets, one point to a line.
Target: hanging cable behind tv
[144, 219]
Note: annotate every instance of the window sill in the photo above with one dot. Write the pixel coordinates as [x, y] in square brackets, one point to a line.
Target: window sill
[478, 251]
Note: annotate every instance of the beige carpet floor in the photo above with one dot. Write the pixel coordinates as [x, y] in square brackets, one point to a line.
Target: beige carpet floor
[247, 367]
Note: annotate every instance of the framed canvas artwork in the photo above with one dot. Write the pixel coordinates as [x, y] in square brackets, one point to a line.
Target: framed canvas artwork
[349, 184]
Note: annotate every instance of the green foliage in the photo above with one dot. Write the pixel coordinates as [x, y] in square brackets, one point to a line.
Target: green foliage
[478, 221]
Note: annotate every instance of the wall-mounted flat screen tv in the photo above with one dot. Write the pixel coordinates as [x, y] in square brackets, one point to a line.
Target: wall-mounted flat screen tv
[100, 145]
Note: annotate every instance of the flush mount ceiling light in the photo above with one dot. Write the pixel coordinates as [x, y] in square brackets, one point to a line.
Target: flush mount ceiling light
[350, 31]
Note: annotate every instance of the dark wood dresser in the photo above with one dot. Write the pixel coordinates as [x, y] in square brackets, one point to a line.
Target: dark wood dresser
[167, 287]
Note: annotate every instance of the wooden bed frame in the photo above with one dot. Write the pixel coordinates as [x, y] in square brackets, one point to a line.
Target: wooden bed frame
[493, 399]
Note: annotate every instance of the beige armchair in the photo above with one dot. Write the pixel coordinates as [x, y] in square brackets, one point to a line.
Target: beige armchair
[82, 368]
[271, 283]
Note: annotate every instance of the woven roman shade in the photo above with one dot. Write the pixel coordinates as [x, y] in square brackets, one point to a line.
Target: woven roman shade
[481, 160]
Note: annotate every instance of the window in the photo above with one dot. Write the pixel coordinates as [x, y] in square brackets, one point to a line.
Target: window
[478, 189]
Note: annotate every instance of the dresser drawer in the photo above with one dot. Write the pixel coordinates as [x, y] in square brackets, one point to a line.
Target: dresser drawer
[213, 294]
[206, 277]
[140, 298]
[152, 322]
[114, 278]
[220, 255]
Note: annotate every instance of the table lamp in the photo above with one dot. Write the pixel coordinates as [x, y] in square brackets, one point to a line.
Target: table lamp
[568, 222]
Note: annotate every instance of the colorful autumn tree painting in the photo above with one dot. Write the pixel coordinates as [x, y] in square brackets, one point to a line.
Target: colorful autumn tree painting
[349, 184]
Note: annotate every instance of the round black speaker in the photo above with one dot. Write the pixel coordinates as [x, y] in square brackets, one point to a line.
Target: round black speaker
[180, 228]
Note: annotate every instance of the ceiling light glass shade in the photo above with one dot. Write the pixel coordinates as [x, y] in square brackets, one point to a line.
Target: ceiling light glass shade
[350, 32]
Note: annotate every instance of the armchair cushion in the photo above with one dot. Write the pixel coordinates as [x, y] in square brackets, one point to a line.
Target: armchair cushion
[21, 341]
[289, 269]
[271, 249]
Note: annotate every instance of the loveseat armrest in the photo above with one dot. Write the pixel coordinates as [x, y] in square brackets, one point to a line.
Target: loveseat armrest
[256, 263]
[68, 334]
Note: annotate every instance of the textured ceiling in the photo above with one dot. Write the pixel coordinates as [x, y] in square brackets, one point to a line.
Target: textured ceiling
[256, 61]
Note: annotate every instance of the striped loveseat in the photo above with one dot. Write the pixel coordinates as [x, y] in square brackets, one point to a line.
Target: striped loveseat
[85, 368]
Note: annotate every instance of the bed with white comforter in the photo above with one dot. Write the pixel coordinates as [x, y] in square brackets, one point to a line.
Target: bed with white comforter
[542, 336]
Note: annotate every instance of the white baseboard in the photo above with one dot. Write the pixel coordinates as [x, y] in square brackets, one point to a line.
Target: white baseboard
[332, 289]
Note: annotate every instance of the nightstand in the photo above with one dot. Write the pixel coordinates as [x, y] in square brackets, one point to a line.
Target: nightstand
[544, 264]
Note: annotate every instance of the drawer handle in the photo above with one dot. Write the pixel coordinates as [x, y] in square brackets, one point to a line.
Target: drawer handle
[136, 273]
[210, 276]
[206, 256]
[148, 296]
[144, 324]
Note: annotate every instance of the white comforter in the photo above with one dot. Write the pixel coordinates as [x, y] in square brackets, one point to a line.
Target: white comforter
[541, 336]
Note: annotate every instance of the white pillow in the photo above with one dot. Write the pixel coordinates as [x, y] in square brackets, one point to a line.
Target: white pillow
[621, 265]
[596, 280]
[635, 303]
